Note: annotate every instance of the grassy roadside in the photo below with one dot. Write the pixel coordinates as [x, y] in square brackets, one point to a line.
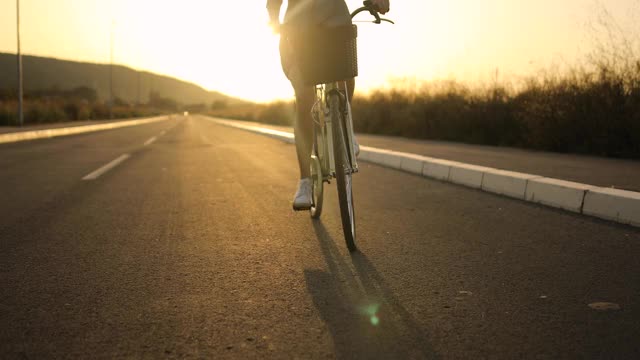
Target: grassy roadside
[79, 104]
[590, 113]
[593, 111]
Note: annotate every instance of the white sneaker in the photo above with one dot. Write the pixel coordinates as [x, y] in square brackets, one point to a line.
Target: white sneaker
[302, 199]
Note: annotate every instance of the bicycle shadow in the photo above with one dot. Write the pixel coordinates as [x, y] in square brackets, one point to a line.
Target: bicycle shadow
[364, 317]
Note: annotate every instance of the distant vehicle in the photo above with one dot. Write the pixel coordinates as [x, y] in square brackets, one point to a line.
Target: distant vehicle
[186, 113]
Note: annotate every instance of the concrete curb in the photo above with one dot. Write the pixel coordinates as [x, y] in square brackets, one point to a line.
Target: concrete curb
[605, 203]
[280, 135]
[468, 175]
[561, 194]
[49, 133]
[507, 183]
[613, 204]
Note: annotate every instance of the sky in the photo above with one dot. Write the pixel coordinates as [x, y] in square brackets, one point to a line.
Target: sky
[226, 45]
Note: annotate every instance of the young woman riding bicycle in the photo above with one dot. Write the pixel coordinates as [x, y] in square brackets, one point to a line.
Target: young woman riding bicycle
[300, 13]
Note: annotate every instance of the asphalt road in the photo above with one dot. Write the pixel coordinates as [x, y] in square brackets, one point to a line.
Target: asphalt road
[189, 248]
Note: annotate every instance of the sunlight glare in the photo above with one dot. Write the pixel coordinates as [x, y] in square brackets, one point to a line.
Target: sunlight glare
[223, 46]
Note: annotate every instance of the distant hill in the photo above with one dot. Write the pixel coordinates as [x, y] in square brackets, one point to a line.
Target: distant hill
[130, 85]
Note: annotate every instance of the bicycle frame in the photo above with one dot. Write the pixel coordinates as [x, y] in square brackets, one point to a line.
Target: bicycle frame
[332, 118]
[325, 148]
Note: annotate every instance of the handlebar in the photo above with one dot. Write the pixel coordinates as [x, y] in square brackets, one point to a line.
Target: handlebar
[368, 6]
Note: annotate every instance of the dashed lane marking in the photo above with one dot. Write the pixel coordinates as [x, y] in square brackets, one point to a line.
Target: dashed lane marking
[101, 171]
[151, 141]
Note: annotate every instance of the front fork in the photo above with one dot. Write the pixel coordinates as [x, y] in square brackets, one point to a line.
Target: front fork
[345, 109]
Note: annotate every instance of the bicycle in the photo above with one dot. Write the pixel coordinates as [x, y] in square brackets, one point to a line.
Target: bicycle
[333, 155]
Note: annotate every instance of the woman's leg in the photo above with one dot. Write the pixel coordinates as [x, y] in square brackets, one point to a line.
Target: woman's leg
[303, 128]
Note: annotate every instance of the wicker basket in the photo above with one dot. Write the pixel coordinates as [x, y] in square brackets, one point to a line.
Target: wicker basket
[326, 54]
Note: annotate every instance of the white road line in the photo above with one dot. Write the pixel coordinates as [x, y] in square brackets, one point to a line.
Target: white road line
[150, 141]
[96, 174]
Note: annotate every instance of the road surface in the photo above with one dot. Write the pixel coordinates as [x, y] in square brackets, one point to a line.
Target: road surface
[189, 248]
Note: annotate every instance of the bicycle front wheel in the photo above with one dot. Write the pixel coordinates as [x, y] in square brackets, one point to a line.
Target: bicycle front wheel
[343, 171]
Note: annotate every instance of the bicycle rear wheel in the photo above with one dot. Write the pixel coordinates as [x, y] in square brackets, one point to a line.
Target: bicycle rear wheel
[343, 172]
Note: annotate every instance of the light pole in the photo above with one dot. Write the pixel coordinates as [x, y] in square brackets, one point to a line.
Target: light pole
[111, 75]
[20, 105]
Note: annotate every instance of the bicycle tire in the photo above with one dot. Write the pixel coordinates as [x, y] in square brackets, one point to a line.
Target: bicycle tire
[343, 173]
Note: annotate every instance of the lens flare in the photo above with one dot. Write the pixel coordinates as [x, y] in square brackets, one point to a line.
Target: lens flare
[371, 311]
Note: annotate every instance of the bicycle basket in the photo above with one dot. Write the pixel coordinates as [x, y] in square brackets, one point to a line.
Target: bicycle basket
[326, 54]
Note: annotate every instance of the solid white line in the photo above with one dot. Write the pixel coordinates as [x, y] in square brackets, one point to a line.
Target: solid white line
[96, 174]
[150, 141]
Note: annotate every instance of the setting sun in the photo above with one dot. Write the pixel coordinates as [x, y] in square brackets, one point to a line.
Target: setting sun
[223, 46]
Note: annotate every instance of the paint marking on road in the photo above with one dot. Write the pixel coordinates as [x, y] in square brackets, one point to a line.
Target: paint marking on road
[151, 141]
[96, 174]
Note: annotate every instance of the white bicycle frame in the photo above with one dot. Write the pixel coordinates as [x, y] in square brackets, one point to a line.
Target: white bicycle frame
[321, 115]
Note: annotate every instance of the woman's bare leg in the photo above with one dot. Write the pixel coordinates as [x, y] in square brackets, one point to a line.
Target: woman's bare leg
[303, 128]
